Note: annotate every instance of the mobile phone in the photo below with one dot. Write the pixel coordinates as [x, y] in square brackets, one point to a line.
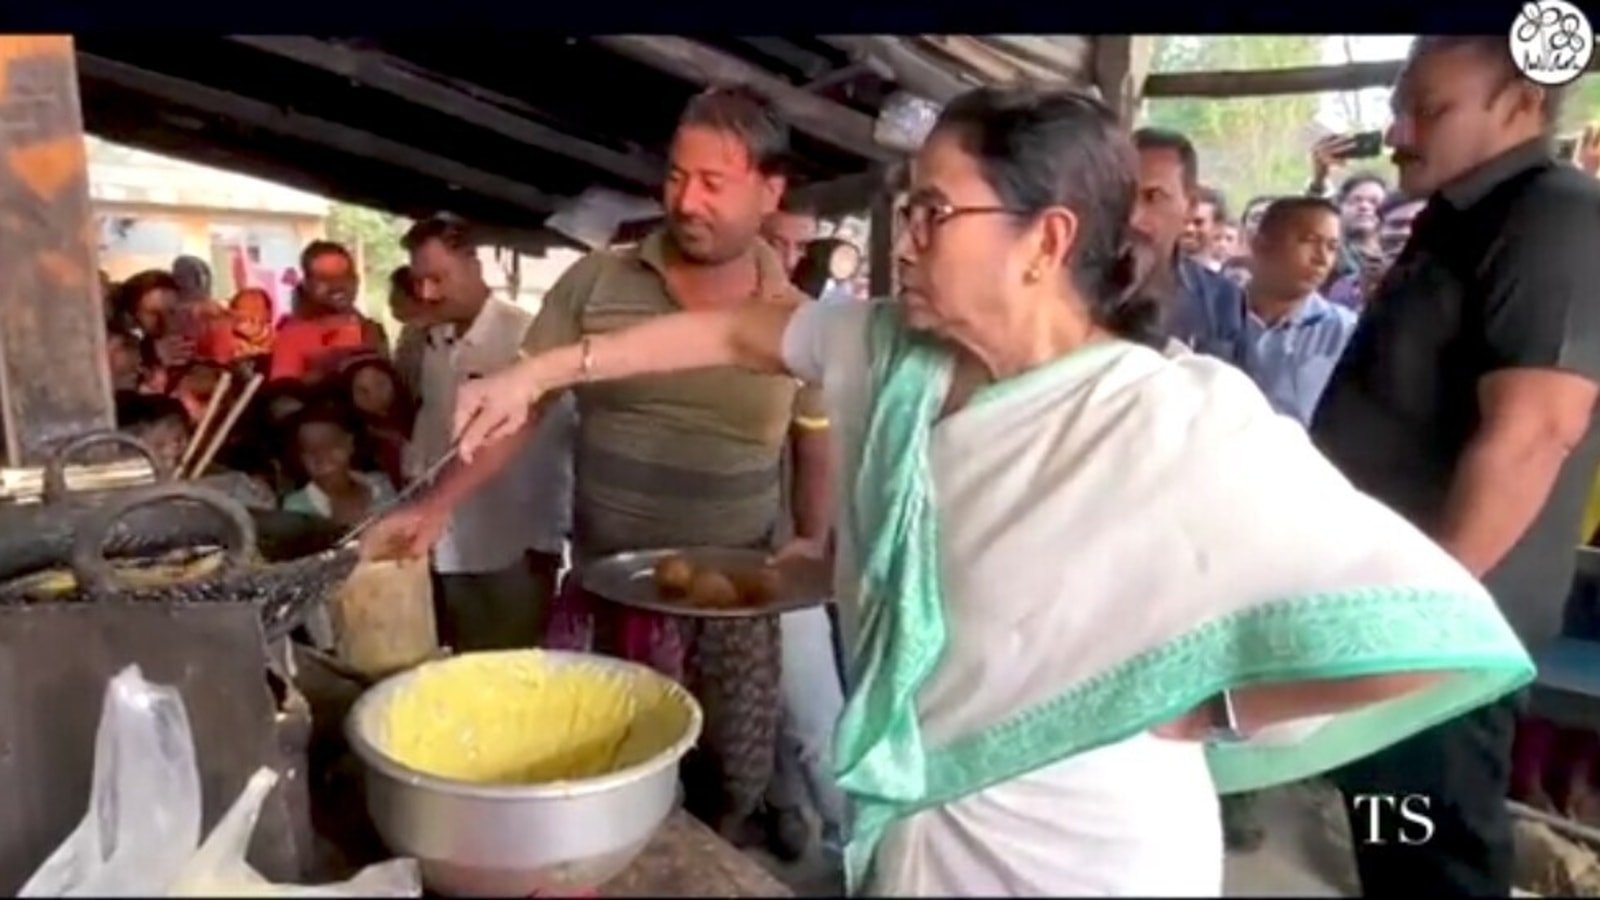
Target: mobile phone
[1363, 145]
[1567, 147]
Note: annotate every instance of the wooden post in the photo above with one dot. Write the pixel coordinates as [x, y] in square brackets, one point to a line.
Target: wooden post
[54, 381]
[1121, 65]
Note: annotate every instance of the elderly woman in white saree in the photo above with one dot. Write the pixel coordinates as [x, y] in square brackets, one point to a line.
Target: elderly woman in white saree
[1058, 546]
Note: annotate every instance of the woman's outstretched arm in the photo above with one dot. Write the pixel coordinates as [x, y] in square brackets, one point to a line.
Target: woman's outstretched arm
[751, 336]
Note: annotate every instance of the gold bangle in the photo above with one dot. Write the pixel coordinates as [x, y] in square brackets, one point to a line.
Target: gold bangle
[811, 423]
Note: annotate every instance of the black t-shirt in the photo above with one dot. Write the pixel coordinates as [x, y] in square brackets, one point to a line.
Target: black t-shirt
[1502, 271]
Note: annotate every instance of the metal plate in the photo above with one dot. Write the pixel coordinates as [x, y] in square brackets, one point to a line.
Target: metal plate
[629, 579]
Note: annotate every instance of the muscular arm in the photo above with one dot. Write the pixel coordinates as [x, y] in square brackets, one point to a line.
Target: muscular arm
[1531, 420]
[1542, 328]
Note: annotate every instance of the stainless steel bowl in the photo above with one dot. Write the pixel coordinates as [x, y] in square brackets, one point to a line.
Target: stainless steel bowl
[478, 840]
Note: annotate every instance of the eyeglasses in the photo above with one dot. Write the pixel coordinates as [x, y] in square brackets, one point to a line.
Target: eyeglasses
[919, 219]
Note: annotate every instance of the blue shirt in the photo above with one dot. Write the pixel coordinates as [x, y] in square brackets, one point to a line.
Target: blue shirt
[1291, 359]
[1204, 302]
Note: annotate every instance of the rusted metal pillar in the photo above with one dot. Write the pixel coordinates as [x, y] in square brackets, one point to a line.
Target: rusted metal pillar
[53, 377]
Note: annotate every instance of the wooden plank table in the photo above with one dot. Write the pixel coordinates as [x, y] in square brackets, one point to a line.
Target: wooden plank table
[687, 859]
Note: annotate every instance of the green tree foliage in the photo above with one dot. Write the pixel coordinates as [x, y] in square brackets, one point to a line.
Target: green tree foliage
[1247, 145]
[374, 238]
[1582, 105]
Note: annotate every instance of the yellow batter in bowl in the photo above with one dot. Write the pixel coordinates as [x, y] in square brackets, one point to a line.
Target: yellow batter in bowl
[522, 717]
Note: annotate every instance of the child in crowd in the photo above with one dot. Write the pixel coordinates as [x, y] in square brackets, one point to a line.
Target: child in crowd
[384, 410]
[125, 360]
[159, 421]
[325, 449]
[250, 319]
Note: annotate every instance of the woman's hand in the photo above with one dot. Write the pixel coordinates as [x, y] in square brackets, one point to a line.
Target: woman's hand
[406, 533]
[495, 407]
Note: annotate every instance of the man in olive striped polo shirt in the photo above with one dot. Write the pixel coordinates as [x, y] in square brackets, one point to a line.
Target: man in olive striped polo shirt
[685, 459]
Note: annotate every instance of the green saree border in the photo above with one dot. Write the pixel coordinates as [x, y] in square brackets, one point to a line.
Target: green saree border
[1336, 634]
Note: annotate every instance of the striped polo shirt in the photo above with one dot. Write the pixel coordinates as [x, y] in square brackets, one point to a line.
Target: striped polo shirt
[669, 460]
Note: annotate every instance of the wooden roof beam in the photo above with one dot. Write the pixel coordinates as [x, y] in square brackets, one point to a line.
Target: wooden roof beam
[847, 194]
[1275, 82]
[910, 69]
[399, 78]
[699, 64]
[288, 123]
[1121, 66]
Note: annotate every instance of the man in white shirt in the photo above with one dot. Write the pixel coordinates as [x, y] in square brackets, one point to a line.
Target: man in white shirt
[495, 566]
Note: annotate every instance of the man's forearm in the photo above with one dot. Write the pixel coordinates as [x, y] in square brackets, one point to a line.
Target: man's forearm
[1498, 490]
[812, 499]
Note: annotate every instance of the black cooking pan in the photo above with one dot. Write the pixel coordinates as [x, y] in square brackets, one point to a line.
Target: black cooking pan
[283, 588]
[40, 536]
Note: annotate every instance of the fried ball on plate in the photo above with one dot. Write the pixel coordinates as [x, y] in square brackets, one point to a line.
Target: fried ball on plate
[713, 590]
[673, 573]
[758, 586]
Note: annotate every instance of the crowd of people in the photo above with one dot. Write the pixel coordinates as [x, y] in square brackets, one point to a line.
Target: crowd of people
[326, 435]
[994, 501]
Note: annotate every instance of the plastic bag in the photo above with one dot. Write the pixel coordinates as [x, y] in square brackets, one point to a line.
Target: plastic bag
[144, 802]
[218, 868]
[140, 835]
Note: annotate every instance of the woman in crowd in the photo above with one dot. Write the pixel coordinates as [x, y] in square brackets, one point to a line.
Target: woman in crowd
[250, 320]
[383, 409]
[146, 305]
[325, 452]
[1030, 693]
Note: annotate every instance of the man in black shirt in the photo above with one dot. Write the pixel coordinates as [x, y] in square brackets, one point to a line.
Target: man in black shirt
[1465, 402]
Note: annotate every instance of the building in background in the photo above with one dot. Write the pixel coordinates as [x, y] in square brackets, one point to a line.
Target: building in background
[151, 209]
